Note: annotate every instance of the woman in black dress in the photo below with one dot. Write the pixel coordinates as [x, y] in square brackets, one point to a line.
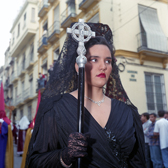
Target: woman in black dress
[113, 136]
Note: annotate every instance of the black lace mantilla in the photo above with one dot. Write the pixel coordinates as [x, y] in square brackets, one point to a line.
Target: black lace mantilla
[116, 148]
[63, 78]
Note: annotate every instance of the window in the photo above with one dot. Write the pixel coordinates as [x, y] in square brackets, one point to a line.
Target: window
[23, 61]
[21, 114]
[56, 18]
[71, 8]
[56, 54]
[152, 34]
[29, 113]
[33, 15]
[15, 93]
[24, 20]
[31, 85]
[23, 87]
[45, 25]
[44, 66]
[18, 30]
[155, 92]
[94, 19]
[13, 38]
[31, 52]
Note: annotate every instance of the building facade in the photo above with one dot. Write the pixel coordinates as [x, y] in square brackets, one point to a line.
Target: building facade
[23, 51]
[140, 39]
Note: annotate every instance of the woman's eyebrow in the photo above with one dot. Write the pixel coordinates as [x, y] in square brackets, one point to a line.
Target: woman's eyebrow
[94, 56]
[108, 58]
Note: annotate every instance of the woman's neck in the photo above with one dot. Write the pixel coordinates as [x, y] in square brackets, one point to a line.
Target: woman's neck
[94, 93]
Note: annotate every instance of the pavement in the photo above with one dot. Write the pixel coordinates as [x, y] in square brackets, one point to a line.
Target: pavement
[17, 158]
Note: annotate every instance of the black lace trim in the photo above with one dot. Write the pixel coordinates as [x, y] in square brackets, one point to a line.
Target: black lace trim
[116, 148]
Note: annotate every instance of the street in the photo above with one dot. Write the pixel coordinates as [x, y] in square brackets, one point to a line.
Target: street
[17, 158]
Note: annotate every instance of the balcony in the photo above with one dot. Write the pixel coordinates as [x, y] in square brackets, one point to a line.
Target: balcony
[27, 34]
[43, 8]
[41, 83]
[6, 85]
[84, 4]
[68, 16]
[11, 61]
[51, 1]
[14, 77]
[143, 46]
[7, 66]
[43, 44]
[28, 95]
[9, 102]
[10, 82]
[22, 70]
[19, 100]
[30, 62]
[53, 32]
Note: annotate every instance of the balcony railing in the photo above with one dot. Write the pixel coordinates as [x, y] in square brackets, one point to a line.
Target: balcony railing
[68, 16]
[14, 76]
[12, 61]
[19, 99]
[43, 8]
[10, 102]
[28, 94]
[41, 83]
[6, 85]
[51, 1]
[42, 44]
[83, 4]
[30, 61]
[143, 44]
[22, 68]
[53, 32]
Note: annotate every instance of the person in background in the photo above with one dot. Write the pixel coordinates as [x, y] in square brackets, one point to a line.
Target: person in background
[154, 144]
[41, 81]
[145, 124]
[161, 130]
[166, 115]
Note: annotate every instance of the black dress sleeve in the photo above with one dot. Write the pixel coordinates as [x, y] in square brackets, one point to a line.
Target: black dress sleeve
[137, 156]
[45, 152]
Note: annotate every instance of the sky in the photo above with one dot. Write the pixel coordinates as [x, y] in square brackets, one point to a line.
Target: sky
[8, 13]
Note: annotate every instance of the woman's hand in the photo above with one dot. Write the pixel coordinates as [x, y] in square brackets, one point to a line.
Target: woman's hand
[77, 147]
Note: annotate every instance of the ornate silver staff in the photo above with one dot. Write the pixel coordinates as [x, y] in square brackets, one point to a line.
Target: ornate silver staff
[81, 35]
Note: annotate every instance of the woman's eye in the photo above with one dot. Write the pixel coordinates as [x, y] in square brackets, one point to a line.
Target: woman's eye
[108, 61]
[93, 60]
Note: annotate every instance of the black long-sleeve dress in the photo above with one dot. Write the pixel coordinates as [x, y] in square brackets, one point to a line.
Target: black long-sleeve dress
[119, 145]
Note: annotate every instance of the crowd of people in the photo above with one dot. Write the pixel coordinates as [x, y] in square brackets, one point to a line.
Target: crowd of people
[156, 139]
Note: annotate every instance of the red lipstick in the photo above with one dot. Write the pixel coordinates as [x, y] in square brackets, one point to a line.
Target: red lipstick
[102, 75]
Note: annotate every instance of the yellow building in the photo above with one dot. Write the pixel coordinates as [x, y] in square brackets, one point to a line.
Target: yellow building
[140, 39]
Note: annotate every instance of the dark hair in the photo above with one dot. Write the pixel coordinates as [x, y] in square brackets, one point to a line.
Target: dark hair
[100, 40]
[153, 114]
[146, 115]
[166, 112]
[161, 113]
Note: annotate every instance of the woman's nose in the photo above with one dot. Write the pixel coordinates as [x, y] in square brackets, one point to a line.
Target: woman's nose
[103, 65]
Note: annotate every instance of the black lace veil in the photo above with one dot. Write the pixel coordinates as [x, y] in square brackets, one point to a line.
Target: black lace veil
[64, 78]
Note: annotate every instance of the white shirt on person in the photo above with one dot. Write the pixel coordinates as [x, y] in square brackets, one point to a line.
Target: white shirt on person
[145, 130]
[161, 127]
